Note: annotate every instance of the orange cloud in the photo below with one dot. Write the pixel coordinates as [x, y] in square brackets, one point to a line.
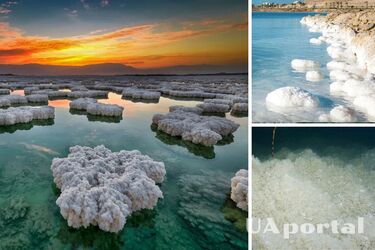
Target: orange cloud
[148, 45]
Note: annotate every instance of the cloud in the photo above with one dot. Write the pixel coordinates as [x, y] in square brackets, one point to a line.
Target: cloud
[150, 44]
[71, 13]
[85, 4]
[5, 7]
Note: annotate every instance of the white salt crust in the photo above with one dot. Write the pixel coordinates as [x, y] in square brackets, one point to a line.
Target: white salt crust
[25, 114]
[239, 189]
[102, 188]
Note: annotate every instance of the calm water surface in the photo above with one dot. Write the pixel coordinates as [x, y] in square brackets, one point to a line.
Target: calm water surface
[189, 217]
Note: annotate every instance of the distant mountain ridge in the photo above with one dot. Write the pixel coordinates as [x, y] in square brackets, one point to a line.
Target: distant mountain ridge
[115, 69]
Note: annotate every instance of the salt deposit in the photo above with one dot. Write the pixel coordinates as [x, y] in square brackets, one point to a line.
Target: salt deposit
[339, 114]
[206, 130]
[92, 107]
[320, 190]
[81, 103]
[239, 189]
[219, 101]
[315, 41]
[100, 187]
[13, 99]
[185, 109]
[314, 76]
[304, 65]
[191, 94]
[26, 114]
[240, 108]
[210, 107]
[289, 97]
[104, 109]
[140, 94]
[88, 93]
[37, 98]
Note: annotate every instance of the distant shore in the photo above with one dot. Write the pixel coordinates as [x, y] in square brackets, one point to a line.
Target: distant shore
[275, 9]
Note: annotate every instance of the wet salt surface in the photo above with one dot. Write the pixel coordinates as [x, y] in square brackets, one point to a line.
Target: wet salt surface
[194, 219]
[279, 38]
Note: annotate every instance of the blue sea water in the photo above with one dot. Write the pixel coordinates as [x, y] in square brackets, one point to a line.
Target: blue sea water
[277, 39]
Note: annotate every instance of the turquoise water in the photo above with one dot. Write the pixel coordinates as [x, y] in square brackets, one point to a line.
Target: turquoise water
[278, 38]
[195, 190]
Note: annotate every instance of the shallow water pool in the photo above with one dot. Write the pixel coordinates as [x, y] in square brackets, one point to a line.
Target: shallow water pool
[195, 190]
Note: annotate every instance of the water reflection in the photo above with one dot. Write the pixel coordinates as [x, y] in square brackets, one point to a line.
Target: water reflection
[207, 152]
[25, 126]
[96, 118]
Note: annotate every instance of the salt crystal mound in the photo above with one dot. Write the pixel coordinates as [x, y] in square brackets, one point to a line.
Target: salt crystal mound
[37, 98]
[239, 189]
[140, 94]
[206, 130]
[320, 190]
[220, 101]
[53, 94]
[102, 188]
[4, 91]
[25, 114]
[104, 109]
[304, 65]
[92, 107]
[185, 109]
[339, 114]
[291, 97]
[315, 41]
[81, 103]
[314, 76]
[88, 93]
[190, 94]
[240, 108]
[209, 107]
[13, 99]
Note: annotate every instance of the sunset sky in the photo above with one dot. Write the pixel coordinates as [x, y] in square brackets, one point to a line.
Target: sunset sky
[142, 34]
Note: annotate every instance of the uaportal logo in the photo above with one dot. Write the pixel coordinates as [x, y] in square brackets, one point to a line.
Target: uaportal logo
[269, 226]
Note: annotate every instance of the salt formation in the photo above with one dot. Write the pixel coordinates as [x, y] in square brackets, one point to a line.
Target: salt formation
[210, 107]
[351, 46]
[220, 101]
[315, 41]
[13, 99]
[314, 76]
[239, 189]
[185, 109]
[37, 98]
[289, 97]
[100, 187]
[26, 114]
[339, 114]
[92, 107]
[104, 109]
[206, 130]
[88, 93]
[191, 94]
[320, 190]
[4, 91]
[304, 65]
[81, 103]
[140, 94]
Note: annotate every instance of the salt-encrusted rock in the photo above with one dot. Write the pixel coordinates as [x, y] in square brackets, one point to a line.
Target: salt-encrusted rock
[140, 94]
[288, 97]
[88, 93]
[26, 114]
[37, 98]
[206, 130]
[104, 109]
[240, 108]
[339, 114]
[4, 91]
[100, 187]
[81, 103]
[304, 65]
[239, 189]
[214, 107]
[29, 90]
[51, 93]
[185, 109]
[314, 76]
[191, 94]
[4, 103]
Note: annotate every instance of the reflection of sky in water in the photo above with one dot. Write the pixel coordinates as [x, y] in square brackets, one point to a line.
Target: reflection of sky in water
[25, 158]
